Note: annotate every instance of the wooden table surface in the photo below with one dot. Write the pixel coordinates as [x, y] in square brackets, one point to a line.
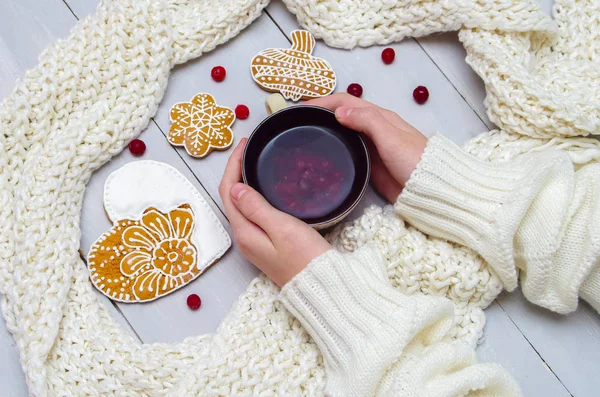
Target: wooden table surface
[550, 355]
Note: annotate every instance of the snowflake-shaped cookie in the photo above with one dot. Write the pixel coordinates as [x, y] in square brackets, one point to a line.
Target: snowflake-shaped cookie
[201, 125]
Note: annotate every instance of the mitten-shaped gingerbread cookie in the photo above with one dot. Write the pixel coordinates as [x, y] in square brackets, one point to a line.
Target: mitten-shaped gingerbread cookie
[164, 234]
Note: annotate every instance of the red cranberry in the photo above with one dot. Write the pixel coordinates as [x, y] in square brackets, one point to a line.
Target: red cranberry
[388, 55]
[308, 174]
[300, 165]
[137, 147]
[326, 165]
[355, 89]
[194, 302]
[421, 94]
[242, 112]
[305, 186]
[322, 182]
[218, 73]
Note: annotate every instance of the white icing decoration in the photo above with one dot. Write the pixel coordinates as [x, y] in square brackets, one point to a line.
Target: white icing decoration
[136, 186]
[260, 69]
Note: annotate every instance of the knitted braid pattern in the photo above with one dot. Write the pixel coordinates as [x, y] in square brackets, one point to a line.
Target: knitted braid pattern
[88, 97]
[351, 23]
[417, 263]
[542, 85]
[95, 91]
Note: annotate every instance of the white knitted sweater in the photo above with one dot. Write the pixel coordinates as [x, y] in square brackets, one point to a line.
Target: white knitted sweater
[96, 90]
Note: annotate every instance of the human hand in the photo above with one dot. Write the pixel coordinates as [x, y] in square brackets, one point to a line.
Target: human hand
[395, 146]
[277, 243]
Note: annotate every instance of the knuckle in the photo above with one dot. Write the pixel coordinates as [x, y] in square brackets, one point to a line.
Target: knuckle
[368, 113]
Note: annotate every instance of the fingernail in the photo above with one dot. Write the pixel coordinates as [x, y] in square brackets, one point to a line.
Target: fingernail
[238, 190]
[343, 112]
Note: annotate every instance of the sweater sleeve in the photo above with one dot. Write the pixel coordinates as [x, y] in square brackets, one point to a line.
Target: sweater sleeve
[376, 341]
[536, 216]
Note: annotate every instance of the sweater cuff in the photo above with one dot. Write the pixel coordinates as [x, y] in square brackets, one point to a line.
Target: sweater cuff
[511, 213]
[457, 197]
[360, 323]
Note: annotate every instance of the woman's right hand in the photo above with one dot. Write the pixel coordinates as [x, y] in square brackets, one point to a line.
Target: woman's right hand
[395, 146]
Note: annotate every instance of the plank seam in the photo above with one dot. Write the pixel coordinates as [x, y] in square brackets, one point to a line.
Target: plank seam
[114, 304]
[69, 7]
[278, 26]
[452, 84]
[192, 171]
[534, 349]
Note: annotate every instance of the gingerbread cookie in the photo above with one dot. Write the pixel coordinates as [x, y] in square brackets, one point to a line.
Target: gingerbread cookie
[294, 72]
[164, 234]
[201, 126]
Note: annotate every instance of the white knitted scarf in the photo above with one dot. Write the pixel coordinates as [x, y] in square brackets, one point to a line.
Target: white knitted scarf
[96, 90]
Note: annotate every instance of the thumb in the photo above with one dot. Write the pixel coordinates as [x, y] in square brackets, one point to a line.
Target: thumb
[256, 208]
[367, 120]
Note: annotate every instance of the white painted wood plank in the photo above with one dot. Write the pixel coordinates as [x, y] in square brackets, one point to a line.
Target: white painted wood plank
[12, 377]
[570, 344]
[449, 55]
[82, 8]
[27, 27]
[447, 112]
[504, 344]
[391, 86]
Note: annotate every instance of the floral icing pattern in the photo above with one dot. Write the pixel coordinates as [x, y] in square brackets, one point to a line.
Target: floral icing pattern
[141, 260]
[201, 126]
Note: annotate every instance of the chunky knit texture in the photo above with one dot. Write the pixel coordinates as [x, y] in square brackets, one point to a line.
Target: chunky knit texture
[534, 215]
[96, 90]
[378, 341]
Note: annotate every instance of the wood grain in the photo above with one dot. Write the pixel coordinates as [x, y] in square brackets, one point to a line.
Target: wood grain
[549, 355]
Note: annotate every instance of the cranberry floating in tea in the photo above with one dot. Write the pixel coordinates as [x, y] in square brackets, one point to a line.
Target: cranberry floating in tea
[305, 163]
[306, 172]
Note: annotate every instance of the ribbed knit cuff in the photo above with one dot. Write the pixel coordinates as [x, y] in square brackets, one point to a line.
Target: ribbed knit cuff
[360, 323]
[454, 196]
[514, 214]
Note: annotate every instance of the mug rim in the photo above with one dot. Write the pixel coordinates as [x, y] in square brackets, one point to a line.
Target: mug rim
[340, 217]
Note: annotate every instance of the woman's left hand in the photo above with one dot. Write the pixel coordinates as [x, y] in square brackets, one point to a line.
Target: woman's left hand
[275, 242]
